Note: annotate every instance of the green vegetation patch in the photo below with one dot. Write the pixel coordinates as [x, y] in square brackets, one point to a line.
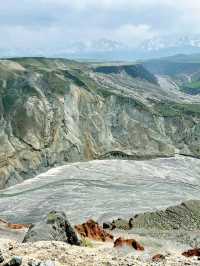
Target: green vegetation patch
[194, 85]
[85, 242]
[192, 88]
[175, 109]
[75, 76]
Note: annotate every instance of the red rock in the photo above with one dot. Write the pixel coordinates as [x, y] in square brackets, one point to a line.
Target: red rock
[14, 226]
[18, 226]
[120, 242]
[192, 252]
[158, 257]
[94, 231]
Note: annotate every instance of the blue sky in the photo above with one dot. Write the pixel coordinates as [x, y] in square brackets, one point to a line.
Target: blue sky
[49, 26]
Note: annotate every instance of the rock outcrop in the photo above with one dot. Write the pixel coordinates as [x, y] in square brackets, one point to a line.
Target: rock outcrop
[185, 216]
[93, 231]
[119, 224]
[56, 227]
[54, 111]
[135, 71]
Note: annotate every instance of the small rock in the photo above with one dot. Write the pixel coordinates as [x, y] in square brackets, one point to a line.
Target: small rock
[120, 224]
[192, 253]
[107, 226]
[10, 246]
[120, 242]
[1, 257]
[158, 257]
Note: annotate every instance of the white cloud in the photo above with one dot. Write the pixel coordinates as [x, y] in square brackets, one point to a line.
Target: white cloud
[56, 24]
[124, 4]
[133, 35]
[101, 4]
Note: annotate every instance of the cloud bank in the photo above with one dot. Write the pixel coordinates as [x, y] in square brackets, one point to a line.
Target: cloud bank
[47, 26]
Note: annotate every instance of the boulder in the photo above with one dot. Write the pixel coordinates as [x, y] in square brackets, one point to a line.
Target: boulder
[15, 261]
[94, 231]
[55, 228]
[120, 242]
[192, 253]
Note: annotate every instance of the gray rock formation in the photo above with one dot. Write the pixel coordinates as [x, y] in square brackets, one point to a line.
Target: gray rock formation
[15, 261]
[58, 111]
[55, 228]
[185, 216]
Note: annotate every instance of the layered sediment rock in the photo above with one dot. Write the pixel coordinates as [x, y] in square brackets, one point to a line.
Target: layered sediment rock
[94, 231]
[58, 111]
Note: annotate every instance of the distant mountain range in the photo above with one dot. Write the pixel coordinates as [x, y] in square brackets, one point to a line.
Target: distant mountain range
[107, 49]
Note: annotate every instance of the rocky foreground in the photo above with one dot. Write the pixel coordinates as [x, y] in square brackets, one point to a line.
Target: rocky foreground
[54, 241]
[58, 253]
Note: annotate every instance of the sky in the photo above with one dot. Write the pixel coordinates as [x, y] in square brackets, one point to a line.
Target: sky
[56, 26]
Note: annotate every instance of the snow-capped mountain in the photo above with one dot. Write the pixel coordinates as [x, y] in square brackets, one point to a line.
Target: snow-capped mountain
[114, 50]
[108, 49]
[156, 44]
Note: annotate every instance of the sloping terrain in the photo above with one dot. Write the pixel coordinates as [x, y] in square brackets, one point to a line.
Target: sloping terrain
[174, 65]
[103, 189]
[54, 111]
[184, 70]
[185, 216]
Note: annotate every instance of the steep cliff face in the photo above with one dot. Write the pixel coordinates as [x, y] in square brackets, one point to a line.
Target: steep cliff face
[56, 111]
[135, 71]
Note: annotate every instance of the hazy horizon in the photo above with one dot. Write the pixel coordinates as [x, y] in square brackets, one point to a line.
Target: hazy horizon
[86, 29]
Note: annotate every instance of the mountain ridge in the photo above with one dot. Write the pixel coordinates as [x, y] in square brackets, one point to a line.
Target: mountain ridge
[55, 111]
